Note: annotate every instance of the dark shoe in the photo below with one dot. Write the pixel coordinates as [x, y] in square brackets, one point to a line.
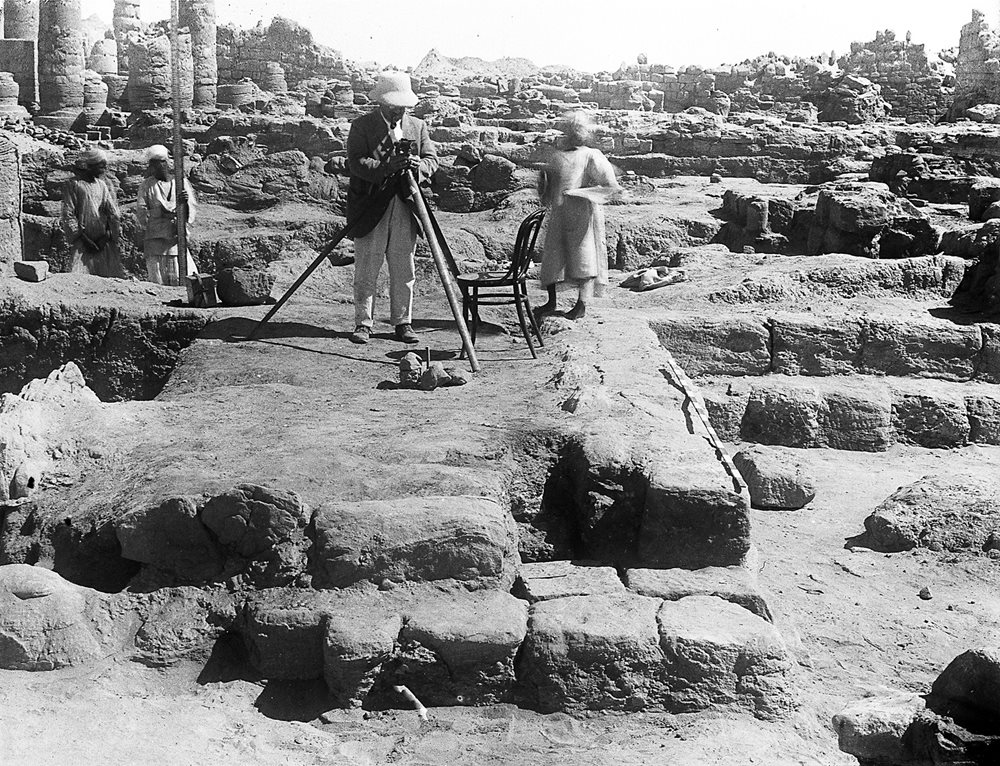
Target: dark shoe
[361, 334]
[405, 334]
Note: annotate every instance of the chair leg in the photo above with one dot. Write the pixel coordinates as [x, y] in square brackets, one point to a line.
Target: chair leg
[475, 313]
[531, 319]
[518, 298]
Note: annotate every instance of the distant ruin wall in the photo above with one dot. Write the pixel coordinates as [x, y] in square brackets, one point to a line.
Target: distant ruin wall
[127, 26]
[977, 71]
[916, 90]
[247, 53]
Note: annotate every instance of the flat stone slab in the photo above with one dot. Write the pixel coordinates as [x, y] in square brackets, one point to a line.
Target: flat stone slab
[734, 584]
[547, 580]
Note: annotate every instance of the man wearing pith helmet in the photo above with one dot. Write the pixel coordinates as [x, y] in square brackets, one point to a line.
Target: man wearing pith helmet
[378, 202]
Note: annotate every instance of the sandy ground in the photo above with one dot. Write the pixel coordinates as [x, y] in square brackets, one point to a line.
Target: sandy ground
[852, 618]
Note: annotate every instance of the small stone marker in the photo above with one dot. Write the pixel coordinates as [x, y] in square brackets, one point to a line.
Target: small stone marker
[31, 271]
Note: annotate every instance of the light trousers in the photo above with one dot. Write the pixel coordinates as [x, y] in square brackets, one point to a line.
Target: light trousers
[393, 240]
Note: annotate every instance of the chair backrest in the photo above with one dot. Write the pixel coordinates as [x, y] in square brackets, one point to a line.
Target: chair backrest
[524, 245]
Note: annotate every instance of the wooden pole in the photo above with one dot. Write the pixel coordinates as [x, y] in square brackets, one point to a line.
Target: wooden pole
[443, 271]
[175, 66]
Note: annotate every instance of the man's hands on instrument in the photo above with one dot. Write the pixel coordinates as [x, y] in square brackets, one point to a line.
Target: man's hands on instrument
[398, 162]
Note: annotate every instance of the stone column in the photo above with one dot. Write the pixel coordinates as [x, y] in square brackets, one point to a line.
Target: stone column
[103, 57]
[95, 97]
[273, 79]
[20, 19]
[150, 77]
[10, 109]
[61, 62]
[126, 24]
[199, 17]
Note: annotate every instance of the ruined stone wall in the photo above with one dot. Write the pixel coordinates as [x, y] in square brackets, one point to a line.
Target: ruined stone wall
[20, 19]
[977, 70]
[10, 205]
[199, 17]
[247, 53]
[916, 90]
[61, 61]
[19, 58]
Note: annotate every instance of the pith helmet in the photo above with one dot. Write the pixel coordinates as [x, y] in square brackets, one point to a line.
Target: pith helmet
[394, 89]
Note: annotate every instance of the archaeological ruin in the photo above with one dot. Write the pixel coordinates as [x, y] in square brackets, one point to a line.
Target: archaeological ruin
[741, 511]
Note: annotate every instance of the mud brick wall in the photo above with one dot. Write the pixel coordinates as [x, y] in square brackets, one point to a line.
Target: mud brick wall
[20, 19]
[915, 89]
[247, 53]
[18, 58]
[977, 71]
[199, 17]
[61, 61]
[10, 205]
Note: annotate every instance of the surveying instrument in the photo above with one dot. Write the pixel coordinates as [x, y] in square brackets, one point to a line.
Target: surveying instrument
[404, 180]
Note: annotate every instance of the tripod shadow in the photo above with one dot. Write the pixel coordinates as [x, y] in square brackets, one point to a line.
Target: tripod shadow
[238, 329]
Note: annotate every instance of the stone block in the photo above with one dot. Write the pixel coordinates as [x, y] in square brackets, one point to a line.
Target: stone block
[717, 346]
[690, 523]
[170, 537]
[810, 346]
[929, 350]
[968, 690]
[360, 635]
[546, 580]
[983, 193]
[593, 652]
[784, 414]
[460, 649]
[43, 620]
[31, 271]
[953, 513]
[984, 417]
[858, 416]
[283, 630]
[734, 584]
[264, 526]
[725, 412]
[465, 538]
[872, 730]
[718, 654]
[775, 478]
[930, 418]
[989, 366]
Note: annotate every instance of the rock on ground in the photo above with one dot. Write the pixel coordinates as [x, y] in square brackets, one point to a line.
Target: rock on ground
[955, 513]
[775, 479]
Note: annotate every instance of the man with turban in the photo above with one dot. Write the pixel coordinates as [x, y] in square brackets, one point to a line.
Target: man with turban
[156, 211]
[90, 218]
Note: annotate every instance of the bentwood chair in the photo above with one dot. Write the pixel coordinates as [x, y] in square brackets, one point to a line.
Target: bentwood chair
[503, 288]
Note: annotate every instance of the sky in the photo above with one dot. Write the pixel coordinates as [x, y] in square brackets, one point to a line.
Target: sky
[596, 36]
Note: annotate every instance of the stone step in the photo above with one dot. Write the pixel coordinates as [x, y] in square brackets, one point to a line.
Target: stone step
[806, 345]
[865, 413]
